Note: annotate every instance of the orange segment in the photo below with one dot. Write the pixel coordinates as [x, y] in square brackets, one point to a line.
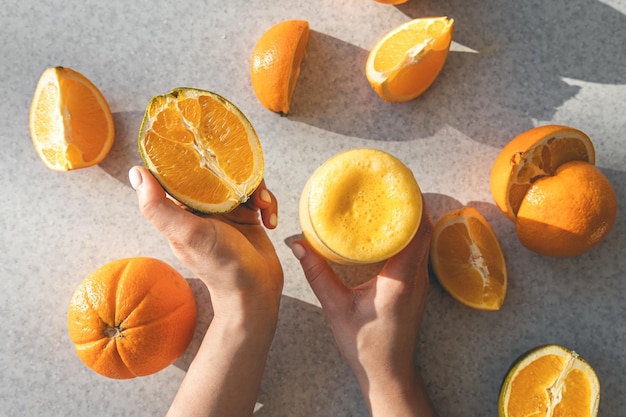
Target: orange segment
[275, 64]
[408, 59]
[71, 124]
[534, 154]
[468, 260]
[202, 149]
[550, 381]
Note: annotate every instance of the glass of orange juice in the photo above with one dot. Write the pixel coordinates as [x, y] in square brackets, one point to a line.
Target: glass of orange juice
[361, 206]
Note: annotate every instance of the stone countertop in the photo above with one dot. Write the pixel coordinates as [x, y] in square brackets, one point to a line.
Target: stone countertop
[513, 65]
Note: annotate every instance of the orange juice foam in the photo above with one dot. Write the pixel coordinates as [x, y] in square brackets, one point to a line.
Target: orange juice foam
[360, 206]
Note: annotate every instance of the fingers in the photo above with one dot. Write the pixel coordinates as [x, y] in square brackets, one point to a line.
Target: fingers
[159, 210]
[326, 285]
[406, 264]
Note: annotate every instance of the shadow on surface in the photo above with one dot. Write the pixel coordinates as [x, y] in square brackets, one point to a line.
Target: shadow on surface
[524, 54]
[124, 154]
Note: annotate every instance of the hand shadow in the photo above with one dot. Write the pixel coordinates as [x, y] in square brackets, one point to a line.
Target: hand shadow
[125, 151]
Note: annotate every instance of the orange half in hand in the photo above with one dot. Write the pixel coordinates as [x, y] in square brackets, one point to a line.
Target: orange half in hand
[71, 124]
[202, 149]
[275, 64]
[407, 60]
[466, 256]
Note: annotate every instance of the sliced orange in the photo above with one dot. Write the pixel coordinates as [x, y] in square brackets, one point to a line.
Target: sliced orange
[71, 124]
[275, 64]
[550, 381]
[568, 213]
[467, 259]
[408, 59]
[534, 154]
[202, 149]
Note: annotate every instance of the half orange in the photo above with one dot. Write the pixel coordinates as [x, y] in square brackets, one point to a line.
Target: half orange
[408, 59]
[550, 381]
[467, 259]
[71, 124]
[202, 149]
[534, 154]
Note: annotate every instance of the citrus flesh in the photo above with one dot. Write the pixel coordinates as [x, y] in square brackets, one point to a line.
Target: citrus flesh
[408, 59]
[276, 61]
[568, 213]
[131, 317]
[360, 206]
[71, 124]
[202, 149]
[534, 154]
[468, 261]
[550, 381]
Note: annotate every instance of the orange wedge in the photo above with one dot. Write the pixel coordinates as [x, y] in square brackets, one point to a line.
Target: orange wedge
[392, 1]
[535, 154]
[408, 59]
[70, 121]
[275, 64]
[202, 149]
[550, 381]
[468, 261]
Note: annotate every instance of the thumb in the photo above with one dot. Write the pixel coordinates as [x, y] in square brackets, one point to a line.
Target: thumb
[159, 210]
[324, 282]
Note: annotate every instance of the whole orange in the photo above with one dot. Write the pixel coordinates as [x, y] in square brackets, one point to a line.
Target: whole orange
[131, 317]
[568, 213]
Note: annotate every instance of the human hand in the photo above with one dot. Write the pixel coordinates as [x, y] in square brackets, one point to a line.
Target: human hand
[231, 253]
[376, 324]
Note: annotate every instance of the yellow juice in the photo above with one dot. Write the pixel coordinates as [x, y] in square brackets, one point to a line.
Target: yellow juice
[360, 206]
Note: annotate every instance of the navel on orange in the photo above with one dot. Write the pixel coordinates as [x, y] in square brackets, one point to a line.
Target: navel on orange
[546, 182]
[550, 381]
[467, 259]
[275, 64]
[202, 149]
[70, 121]
[131, 317]
[408, 59]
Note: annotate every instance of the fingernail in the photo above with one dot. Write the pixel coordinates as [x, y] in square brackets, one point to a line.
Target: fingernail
[134, 176]
[298, 250]
[273, 219]
[265, 196]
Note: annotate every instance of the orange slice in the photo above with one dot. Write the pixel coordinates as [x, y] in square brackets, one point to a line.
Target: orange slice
[202, 149]
[550, 381]
[534, 154]
[407, 60]
[467, 258]
[275, 64]
[70, 121]
[392, 1]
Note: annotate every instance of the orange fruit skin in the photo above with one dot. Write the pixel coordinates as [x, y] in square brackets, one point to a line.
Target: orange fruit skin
[131, 317]
[275, 63]
[502, 169]
[569, 213]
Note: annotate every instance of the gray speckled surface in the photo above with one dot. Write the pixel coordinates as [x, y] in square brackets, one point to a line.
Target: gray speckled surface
[513, 65]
